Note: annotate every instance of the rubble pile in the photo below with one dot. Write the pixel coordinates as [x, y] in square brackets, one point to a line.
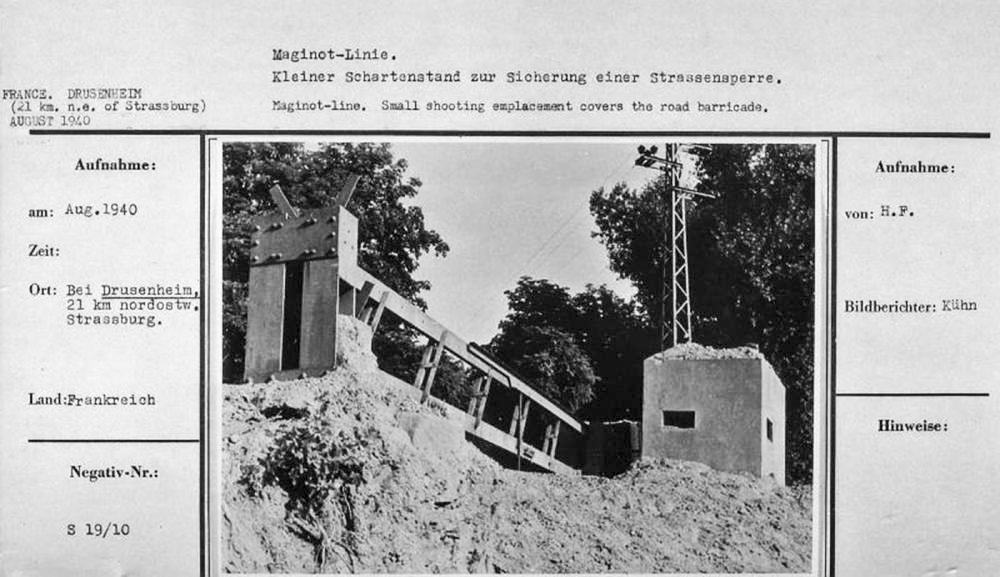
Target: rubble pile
[350, 473]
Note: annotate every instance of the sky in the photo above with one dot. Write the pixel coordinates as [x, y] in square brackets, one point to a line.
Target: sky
[509, 209]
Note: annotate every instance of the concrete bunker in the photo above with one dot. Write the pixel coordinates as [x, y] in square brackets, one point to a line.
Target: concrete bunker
[721, 407]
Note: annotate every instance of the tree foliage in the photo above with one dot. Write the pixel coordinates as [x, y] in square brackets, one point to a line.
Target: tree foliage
[751, 262]
[392, 234]
[606, 331]
[551, 360]
[617, 336]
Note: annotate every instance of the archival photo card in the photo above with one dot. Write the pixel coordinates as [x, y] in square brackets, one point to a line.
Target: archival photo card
[521, 356]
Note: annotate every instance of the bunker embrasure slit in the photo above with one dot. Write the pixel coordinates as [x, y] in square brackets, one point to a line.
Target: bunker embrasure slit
[679, 419]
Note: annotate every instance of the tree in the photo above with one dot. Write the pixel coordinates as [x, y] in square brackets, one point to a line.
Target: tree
[765, 229]
[392, 235]
[551, 361]
[608, 331]
[751, 262]
[617, 337]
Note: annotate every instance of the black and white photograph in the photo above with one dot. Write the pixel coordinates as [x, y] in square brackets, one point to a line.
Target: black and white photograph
[536, 355]
[583, 288]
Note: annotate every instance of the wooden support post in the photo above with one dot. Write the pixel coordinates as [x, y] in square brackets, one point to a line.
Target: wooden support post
[514, 422]
[347, 299]
[525, 406]
[361, 306]
[424, 364]
[377, 315]
[515, 418]
[477, 391]
[520, 416]
[481, 391]
[554, 443]
[435, 362]
[517, 422]
[482, 400]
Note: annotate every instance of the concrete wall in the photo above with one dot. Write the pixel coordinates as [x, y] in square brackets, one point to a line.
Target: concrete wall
[725, 395]
[773, 409]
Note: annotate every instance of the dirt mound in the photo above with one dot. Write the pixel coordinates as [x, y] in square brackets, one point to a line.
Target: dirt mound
[695, 351]
[349, 472]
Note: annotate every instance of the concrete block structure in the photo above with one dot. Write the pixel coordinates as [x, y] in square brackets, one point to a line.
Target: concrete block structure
[728, 413]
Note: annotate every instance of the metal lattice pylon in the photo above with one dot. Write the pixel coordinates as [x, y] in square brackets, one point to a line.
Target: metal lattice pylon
[675, 303]
[680, 288]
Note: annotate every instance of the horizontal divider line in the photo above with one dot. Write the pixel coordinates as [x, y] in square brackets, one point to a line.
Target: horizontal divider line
[913, 394]
[542, 133]
[114, 441]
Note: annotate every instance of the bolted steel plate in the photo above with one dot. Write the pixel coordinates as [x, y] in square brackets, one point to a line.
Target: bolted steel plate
[278, 238]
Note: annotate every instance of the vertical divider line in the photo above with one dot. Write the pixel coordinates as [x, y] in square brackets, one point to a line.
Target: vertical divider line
[832, 360]
[204, 465]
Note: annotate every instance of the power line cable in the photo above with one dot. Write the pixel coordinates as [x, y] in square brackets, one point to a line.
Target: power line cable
[561, 233]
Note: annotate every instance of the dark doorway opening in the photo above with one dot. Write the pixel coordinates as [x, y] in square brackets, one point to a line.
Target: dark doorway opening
[292, 318]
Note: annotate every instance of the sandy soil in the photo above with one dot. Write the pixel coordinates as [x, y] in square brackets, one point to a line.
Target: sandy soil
[407, 493]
